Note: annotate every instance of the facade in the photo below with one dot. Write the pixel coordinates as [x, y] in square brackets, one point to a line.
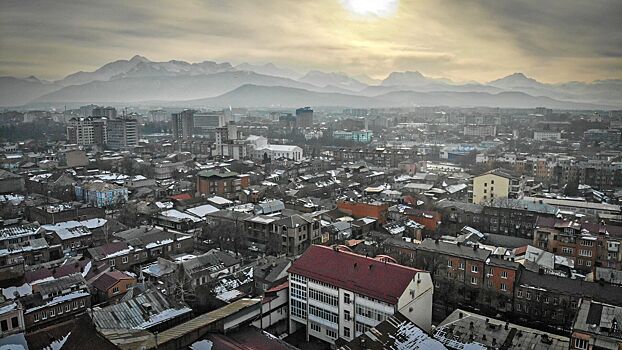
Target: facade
[362, 136]
[11, 317]
[480, 130]
[86, 131]
[112, 284]
[183, 124]
[205, 124]
[497, 184]
[123, 133]
[259, 148]
[547, 135]
[304, 117]
[104, 112]
[377, 210]
[585, 245]
[222, 183]
[101, 194]
[56, 301]
[338, 294]
[10, 183]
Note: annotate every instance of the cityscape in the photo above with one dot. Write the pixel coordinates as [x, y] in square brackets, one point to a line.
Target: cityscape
[330, 174]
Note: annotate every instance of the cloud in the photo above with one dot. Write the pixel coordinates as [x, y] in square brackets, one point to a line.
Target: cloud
[552, 40]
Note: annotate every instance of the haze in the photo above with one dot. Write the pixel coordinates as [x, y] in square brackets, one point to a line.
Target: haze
[553, 40]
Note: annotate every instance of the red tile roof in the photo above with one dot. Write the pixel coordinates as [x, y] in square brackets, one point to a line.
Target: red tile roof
[357, 273]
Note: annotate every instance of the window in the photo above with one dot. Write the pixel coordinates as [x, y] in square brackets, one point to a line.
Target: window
[115, 290]
[14, 322]
[68, 307]
[346, 315]
[60, 310]
[44, 315]
[52, 313]
[4, 325]
[82, 303]
[125, 259]
[518, 307]
[324, 314]
[36, 317]
[519, 294]
[473, 280]
[346, 332]
[75, 305]
[580, 343]
[528, 295]
[504, 287]
[316, 327]
[112, 262]
[136, 256]
[461, 266]
[450, 263]
[178, 245]
[331, 333]
[323, 297]
[473, 268]
[346, 298]
[504, 274]
[588, 263]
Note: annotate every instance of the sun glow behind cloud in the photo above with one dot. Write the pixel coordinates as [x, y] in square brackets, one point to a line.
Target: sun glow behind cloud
[371, 8]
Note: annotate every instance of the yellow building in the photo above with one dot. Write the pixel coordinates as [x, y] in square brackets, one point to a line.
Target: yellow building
[496, 184]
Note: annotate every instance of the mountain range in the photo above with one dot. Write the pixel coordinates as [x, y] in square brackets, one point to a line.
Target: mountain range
[212, 84]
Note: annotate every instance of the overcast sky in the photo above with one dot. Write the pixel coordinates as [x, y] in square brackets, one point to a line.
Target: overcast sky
[551, 40]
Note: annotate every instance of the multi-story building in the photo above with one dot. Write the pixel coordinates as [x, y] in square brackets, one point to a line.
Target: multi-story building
[480, 130]
[86, 131]
[586, 245]
[104, 112]
[338, 294]
[123, 133]
[55, 301]
[205, 124]
[597, 326]
[304, 117]
[552, 300]
[11, 317]
[497, 184]
[547, 135]
[101, 194]
[462, 274]
[362, 136]
[221, 182]
[183, 124]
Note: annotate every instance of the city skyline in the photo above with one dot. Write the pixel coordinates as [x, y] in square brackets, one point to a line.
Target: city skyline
[554, 41]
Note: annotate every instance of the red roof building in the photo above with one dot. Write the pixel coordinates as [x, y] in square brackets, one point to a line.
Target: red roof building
[340, 294]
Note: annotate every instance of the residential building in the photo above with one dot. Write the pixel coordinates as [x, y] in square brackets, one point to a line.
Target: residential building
[480, 130]
[362, 136]
[87, 131]
[497, 184]
[55, 301]
[10, 183]
[123, 133]
[597, 326]
[11, 317]
[547, 135]
[72, 236]
[112, 285]
[205, 124]
[339, 294]
[104, 112]
[101, 194]
[221, 182]
[183, 124]
[304, 117]
[362, 209]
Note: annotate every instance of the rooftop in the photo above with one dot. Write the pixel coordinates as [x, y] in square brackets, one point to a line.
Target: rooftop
[384, 281]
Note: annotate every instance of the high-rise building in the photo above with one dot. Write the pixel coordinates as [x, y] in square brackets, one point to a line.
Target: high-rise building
[304, 117]
[183, 124]
[87, 131]
[104, 112]
[206, 123]
[122, 133]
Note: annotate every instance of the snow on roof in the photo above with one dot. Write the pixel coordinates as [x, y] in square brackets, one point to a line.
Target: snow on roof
[163, 316]
[94, 223]
[68, 229]
[219, 200]
[59, 299]
[177, 215]
[23, 290]
[202, 210]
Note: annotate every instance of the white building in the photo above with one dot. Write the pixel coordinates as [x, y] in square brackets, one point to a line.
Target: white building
[258, 148]
[480, 130]
[547, 135]
[339, 294]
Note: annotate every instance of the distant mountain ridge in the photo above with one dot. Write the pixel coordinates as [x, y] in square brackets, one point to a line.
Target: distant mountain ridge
[140, 79]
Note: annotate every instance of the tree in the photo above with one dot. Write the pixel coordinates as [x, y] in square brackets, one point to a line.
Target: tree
[228, 235]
